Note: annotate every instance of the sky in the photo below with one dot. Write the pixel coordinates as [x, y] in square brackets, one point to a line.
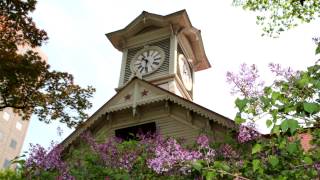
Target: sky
[78, 45]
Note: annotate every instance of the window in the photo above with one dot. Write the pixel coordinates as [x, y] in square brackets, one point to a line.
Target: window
[1, 135]
[6, 116]
[6, 163]
[19, 125]
[13, 143]
[131, 132]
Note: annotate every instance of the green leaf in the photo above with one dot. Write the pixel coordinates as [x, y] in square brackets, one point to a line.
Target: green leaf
[269, 123]
[273, 160]
[292, 148]
[276, 129]
[318, 49]
[275, 95]
[211, 175]
[316, 84]
[308, 160]
[256, 148]
[284, 126]
[238, 119]
[241, 103]
[311, 108]
[197, 165]
[256, 164]
[293, 125]
[221, 165]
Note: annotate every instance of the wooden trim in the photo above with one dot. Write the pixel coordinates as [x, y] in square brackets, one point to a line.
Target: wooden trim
[123, 67]
[173, 54]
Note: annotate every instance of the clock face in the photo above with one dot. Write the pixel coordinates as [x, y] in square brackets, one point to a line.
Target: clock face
[147, 60]
[185, 72]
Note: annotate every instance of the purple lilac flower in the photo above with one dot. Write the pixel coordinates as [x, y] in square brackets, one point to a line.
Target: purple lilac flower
[203, 141]
[36, 157]
[209, 155]
[41, 158]
[246, 82]
[240, 163]
[317, 166]
[284, 73]
[316, 40]
[247, 133]
[169, 154]
[228, 152]
[110, 154]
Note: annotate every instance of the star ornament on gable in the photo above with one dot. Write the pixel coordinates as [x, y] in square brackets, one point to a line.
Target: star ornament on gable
[144, 93]
[127, 97]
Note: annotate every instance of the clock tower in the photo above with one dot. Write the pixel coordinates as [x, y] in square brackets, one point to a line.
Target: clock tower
[160, 57]
[164, 50]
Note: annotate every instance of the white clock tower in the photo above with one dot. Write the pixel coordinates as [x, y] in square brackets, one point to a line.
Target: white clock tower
[163, 50]
[160, 57]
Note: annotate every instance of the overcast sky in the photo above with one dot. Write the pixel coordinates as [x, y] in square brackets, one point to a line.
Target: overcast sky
[78, 45]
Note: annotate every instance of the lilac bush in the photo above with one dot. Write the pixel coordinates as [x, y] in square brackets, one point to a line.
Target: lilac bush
[170, 155]
[48, 160]
[109, 152]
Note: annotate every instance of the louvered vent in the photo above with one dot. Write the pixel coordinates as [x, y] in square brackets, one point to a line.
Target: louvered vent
[164, 69]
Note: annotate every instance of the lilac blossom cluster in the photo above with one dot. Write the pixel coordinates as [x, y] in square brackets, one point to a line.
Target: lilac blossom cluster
[317, 167]
[247, 133]
[283, 73]
[203, 141]
[170, 155]
[47, 159]
[246, 82]
[228, 152]
[110, 153]
[316, 40]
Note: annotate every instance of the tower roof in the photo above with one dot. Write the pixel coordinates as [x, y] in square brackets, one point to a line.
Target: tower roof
[179, 23]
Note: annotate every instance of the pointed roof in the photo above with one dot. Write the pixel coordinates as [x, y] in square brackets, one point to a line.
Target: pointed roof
[137, 93]
[180, 24]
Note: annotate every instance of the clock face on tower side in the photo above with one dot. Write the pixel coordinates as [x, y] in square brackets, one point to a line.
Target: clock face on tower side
[185, 72]
[147, 60]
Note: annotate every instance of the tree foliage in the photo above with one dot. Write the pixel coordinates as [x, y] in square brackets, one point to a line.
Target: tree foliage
[277, 16]
[26, 82]
[280, 15]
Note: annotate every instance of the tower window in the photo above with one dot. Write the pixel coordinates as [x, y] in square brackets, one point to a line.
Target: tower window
[131, 132]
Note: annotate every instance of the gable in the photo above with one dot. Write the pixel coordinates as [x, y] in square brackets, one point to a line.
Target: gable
[138, 93]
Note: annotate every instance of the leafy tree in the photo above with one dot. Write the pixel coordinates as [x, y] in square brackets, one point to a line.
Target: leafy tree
[26, 82]
[277, 16]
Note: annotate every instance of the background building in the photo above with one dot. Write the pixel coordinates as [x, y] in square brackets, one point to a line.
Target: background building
[12, 133]
[13, 129]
